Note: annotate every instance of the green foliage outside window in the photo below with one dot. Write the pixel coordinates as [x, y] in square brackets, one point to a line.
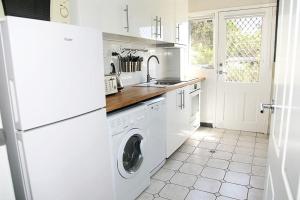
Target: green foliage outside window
[243, 49]
[202, 51]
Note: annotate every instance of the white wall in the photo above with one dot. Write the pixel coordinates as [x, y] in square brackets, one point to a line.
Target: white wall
[203, 5]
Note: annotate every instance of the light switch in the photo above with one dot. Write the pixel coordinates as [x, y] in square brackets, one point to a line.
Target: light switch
[60, 11]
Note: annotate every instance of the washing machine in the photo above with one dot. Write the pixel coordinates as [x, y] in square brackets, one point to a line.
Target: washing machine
[128, 128]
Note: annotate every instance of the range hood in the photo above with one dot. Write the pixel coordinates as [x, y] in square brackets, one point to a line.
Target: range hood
[171, 45]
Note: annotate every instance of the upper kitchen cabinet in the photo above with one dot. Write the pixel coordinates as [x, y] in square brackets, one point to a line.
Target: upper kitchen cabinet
[181, 21]
[163, 20]
[105, 15]
[138, 18]
[150, 19]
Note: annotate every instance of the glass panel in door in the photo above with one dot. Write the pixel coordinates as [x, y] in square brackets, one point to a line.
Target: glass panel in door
[132, 155]
[243, 49]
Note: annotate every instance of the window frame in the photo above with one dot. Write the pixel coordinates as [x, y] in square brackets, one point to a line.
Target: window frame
[209, 16]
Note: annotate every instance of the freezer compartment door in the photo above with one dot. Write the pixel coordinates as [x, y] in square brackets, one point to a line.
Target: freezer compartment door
[55, 70]
[70, 160]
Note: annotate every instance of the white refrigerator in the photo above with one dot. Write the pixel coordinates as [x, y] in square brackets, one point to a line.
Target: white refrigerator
[52, 103]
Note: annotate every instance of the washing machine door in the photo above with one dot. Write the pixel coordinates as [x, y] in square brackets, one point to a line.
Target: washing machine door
[131, 153]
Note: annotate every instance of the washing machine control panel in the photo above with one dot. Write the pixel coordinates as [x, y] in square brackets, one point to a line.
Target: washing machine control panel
[129, 118]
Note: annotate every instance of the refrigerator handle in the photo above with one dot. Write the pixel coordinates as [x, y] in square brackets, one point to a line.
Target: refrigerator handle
[14, 101]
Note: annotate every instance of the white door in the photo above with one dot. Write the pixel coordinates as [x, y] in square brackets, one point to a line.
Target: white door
[245, 70]
[70, 160]
[55, 71]
[283, 180]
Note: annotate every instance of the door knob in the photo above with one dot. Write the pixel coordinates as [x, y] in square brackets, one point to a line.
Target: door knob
[264, 106]
[221, 72]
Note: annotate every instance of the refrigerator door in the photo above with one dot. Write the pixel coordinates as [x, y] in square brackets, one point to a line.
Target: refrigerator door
[70, 160]
[55, 70]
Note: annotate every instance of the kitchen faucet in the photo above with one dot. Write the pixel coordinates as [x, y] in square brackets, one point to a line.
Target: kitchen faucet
[148, 73]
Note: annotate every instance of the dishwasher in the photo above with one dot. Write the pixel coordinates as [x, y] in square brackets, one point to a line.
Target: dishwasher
[156, 114]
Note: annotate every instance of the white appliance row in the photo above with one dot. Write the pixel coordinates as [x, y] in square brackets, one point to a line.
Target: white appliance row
[146, 134]
[52, 104]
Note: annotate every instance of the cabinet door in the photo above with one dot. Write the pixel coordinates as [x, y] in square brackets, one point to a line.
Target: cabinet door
[105, 15]
[139, 18]
[166, 11]
[163, 29]
[181, 24]
[175, 121]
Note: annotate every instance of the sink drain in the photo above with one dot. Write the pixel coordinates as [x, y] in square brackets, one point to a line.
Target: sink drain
[212, 151]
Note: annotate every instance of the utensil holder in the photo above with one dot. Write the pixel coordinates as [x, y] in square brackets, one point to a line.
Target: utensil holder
[127, 65]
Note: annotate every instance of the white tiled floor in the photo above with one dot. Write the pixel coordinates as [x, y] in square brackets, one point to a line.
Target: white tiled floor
[234, 170]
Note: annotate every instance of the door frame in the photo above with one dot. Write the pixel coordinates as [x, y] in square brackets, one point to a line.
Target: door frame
[215, 15]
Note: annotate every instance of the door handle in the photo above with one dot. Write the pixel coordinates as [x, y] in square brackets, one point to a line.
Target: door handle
[269, 106]
[181, 100]
[183, 97]
[126, 10]
[156, 26]
[177, 32]
[221, 72]
[159, 27]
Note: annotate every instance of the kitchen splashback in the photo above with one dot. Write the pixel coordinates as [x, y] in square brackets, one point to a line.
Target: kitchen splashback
[130, 78]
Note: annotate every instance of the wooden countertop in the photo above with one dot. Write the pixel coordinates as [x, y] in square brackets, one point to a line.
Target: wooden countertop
[131, 95]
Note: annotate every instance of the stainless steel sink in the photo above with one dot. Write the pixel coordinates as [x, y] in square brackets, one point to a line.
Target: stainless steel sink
[151, 84]
[167, 82]
[160, 83]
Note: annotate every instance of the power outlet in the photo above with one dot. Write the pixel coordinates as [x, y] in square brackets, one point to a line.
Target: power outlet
[60, 11]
